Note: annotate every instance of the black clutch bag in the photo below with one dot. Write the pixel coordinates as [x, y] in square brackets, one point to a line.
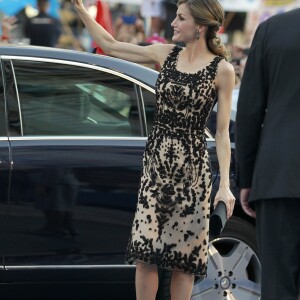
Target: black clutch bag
[217, 220]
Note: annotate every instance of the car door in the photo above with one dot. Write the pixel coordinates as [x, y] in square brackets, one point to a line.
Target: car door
[4, 174]
[77, 139]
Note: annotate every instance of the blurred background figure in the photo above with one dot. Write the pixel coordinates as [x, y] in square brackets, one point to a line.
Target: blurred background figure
[155, 10]
[7, 25]
[129, 27]
[171, 9]
[239, 56]
[43, 29]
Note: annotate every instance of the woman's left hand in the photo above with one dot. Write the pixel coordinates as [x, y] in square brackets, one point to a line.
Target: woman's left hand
[224, 194]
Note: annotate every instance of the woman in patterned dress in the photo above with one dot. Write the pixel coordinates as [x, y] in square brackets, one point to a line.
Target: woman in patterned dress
[170, 229]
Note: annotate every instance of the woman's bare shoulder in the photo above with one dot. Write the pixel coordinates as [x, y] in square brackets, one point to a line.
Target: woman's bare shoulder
[225, 74]
[162, 51]
[225, 68]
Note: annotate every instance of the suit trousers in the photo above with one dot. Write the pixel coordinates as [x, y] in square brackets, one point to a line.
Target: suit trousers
[278, 238]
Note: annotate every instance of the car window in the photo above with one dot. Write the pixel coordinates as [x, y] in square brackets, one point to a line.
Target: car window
[59, 99]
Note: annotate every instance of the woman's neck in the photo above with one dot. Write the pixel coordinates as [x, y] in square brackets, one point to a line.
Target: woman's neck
[195, 50]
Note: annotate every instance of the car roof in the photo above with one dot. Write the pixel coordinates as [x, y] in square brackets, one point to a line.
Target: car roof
[136, 71]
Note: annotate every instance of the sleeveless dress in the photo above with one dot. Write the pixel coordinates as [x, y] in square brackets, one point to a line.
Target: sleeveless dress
[170, 228]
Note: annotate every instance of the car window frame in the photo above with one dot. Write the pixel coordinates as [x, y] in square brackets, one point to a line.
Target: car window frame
[3, 115]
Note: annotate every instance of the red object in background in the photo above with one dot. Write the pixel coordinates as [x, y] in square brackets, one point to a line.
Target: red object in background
[156, 39]
[104, 18]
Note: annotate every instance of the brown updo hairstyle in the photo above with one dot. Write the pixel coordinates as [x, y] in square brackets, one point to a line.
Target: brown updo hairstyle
[209, 13]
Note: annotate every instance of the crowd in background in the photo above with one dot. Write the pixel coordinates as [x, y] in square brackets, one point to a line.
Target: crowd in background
[145, 24]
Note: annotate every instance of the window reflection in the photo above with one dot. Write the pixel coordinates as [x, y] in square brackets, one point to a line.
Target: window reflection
[59, 99]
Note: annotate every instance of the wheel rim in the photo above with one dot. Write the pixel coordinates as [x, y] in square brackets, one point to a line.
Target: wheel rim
[233, 272]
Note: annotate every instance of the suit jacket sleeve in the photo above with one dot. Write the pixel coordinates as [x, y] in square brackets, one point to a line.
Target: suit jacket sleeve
[251, 109]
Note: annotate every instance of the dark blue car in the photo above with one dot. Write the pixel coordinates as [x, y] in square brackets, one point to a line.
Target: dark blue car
[73, 127]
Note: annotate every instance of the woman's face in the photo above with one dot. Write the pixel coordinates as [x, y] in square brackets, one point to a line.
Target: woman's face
[184, 25]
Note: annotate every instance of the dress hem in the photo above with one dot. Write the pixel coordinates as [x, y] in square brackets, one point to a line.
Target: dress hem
[151, 261]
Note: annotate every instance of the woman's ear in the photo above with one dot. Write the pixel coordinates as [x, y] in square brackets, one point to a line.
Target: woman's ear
[202, 28]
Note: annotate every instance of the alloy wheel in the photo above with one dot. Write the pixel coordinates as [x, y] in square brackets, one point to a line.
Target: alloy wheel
[233, 272]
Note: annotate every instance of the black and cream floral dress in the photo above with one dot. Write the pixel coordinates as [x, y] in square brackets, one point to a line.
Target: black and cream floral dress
[170, 228]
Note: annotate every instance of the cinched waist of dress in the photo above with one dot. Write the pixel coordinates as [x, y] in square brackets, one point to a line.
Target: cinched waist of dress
[179, 131]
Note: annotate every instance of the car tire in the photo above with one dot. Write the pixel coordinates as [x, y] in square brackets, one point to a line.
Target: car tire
[234, 270]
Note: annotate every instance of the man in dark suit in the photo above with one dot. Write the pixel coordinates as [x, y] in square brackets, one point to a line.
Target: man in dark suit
[268, 151]
[43, 30]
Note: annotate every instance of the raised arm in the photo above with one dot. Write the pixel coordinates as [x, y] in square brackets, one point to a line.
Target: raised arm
[156, 53]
